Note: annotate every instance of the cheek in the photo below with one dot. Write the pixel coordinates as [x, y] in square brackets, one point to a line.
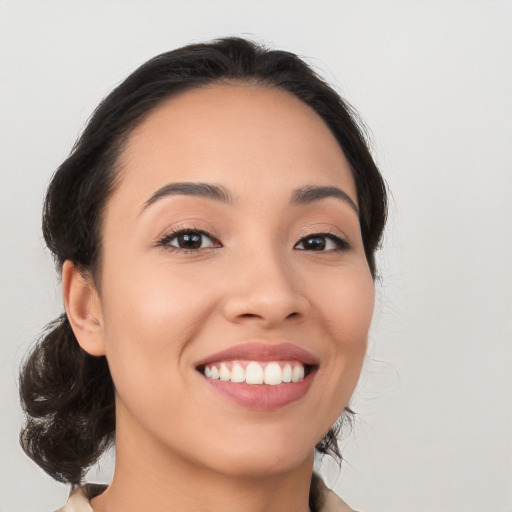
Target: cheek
[147, 325]
[153, 302]
[346, 314]
[347, 308]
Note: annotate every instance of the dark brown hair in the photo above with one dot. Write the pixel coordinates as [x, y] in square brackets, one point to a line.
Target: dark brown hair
[68, 395]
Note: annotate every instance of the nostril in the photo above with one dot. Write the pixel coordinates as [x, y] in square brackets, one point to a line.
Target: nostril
[268, 309]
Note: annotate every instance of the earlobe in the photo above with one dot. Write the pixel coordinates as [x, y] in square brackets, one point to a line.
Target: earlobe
[82, 305]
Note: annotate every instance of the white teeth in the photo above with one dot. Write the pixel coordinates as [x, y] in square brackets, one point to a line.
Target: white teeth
[273, 374]
[224, 373]
[270, 373]
[254, 373]
[287, 373]
[298, 373]
[237, 373]
[214, 372]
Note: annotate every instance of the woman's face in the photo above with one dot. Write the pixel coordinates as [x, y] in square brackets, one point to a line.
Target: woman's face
[232, 245]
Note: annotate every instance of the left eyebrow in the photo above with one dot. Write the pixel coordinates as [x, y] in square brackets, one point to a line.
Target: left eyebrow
[310, 194]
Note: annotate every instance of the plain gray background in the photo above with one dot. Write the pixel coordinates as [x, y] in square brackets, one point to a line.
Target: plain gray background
[433, 81]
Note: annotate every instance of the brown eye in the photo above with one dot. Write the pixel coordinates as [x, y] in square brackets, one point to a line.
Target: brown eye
[321, 242]
[188, 240]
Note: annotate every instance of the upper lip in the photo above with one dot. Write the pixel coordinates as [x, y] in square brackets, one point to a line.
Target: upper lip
[263, 352]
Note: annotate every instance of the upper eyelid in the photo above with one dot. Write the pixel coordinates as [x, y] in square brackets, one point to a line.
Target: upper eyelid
[184, 227]
[326, 234]
[323, 232]
[322, 227]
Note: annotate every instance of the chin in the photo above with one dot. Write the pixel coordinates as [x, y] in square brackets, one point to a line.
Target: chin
[257, 461]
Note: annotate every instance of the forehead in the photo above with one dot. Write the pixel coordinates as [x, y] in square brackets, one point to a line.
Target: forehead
[244, 136]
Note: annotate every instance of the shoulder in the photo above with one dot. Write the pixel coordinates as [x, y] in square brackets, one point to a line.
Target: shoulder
[80, 497]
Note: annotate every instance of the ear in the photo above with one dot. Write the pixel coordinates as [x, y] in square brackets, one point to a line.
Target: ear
[83, 308]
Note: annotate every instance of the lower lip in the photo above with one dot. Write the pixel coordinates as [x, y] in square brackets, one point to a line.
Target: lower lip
[262, 396]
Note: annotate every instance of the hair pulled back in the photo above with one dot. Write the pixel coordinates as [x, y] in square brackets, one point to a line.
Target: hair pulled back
[68, 395]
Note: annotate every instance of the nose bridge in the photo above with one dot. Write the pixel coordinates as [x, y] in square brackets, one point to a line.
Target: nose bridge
[263, 286]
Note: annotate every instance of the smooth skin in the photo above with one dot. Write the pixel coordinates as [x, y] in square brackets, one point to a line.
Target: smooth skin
[259, 268]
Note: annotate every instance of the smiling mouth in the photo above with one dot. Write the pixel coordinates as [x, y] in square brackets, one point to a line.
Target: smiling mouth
[270, 373]
[260, 376]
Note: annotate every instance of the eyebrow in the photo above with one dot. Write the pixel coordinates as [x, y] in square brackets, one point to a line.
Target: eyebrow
[210, 191]
[310, 194]
[301, 196]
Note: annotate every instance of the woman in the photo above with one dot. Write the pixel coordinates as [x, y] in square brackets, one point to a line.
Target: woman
[215, 227]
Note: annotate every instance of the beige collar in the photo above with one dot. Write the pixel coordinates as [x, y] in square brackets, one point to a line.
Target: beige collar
[80, 496]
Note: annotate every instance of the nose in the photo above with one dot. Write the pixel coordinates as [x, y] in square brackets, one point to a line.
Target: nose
[265, 290]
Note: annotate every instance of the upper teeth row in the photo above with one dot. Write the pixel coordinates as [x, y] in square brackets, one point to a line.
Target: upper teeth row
[272, 374]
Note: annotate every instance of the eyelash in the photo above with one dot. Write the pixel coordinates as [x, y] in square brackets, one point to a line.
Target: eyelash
[167, 238]
[341, 244]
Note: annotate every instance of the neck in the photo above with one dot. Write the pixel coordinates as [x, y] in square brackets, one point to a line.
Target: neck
[148, 477]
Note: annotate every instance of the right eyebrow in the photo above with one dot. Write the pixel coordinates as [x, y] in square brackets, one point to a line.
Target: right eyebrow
[185, 188]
